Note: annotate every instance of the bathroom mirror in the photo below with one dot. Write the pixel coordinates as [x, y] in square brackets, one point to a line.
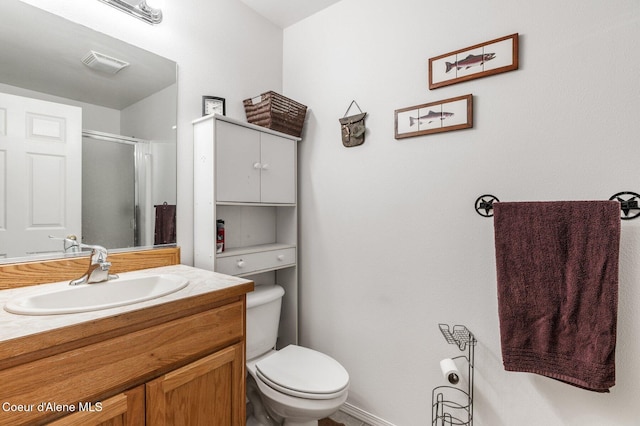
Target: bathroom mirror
[45, 58]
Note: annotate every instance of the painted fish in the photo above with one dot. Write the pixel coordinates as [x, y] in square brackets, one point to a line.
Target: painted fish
[470, 61]
[431, 116]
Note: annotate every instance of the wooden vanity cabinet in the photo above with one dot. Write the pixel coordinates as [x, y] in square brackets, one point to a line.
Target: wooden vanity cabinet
[124, 409]
[184, 396]
[181, 362]
[204, 392]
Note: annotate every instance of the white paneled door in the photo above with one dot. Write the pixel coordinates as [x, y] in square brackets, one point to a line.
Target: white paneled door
[40, 175]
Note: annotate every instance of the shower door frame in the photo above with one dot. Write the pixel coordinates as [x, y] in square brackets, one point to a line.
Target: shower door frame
[139, 155]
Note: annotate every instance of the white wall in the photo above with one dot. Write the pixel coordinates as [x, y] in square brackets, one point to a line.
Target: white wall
[153, 119]
[390, 242]
[222, 48]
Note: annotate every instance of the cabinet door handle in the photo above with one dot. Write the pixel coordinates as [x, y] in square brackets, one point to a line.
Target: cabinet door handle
[257, 165]
[240, 263]
[265, 166]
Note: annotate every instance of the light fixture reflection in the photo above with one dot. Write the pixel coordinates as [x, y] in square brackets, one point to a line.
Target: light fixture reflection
[138, 8]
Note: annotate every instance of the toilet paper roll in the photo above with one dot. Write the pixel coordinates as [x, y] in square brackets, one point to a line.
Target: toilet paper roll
[450, 371]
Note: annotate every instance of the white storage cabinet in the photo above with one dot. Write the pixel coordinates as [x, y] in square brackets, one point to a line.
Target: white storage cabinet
[246, 175]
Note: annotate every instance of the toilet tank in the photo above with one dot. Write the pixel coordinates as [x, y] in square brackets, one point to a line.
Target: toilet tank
[263, 318]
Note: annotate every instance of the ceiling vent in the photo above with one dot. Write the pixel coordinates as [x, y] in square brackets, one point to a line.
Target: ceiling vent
[101, 62]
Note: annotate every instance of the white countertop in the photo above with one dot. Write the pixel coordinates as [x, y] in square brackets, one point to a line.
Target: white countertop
[200, 282]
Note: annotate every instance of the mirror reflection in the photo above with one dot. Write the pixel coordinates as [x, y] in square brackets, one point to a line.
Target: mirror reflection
[87, 138]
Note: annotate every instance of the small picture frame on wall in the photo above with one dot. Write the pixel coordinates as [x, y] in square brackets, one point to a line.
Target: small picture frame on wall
[213, 105]
[484, 59]
[434, 117]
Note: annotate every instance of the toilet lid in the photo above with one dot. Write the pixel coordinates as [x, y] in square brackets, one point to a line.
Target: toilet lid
[297, 371]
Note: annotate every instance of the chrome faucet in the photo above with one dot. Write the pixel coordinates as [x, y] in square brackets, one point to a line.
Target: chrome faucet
[98, 267]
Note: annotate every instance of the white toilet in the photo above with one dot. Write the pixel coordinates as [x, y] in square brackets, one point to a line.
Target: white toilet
[294, 386]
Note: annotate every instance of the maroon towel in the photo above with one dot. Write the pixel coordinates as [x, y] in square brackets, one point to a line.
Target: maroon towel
[165, 228]
[557, 270]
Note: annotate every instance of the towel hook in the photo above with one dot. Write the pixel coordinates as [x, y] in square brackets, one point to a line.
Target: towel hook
[485, 202]
[626, 206]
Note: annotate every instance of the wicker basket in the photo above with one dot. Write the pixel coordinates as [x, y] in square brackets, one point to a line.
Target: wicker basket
[276, 112]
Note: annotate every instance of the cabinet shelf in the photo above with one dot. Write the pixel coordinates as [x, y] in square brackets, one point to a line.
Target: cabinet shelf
[249, 274]
[238, 251]
[230, 203]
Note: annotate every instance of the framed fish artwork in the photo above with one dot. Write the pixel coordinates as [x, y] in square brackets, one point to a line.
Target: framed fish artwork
[484, 59]
[435, 117]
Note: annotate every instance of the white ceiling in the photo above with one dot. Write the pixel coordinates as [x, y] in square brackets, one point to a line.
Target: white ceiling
[284, 13]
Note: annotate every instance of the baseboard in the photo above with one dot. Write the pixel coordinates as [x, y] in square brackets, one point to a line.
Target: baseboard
[364, 416]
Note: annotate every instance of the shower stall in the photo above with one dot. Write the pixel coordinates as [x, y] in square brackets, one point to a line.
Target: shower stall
[117, 210]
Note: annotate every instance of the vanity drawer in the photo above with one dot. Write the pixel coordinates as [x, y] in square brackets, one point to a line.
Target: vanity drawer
[245, 263]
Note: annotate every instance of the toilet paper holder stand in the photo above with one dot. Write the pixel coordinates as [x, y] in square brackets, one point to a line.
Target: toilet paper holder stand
[452, 405]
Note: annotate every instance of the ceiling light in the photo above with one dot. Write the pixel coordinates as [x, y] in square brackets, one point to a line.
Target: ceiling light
[138, 8]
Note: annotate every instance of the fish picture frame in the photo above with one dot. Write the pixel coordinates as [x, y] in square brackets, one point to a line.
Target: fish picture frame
[435, 117]
[482, 60]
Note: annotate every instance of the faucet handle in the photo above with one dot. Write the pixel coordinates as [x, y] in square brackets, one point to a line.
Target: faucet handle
[70, 242]
[98, 253]
[70, 237]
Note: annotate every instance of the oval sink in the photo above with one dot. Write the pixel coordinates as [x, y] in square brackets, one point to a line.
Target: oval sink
[93, 297]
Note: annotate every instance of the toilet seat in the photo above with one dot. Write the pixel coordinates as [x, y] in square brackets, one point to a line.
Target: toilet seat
[303, 373]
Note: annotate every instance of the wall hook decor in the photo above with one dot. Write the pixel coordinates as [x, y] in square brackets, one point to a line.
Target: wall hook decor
[629, 208]
[353, 127]
[484, 205]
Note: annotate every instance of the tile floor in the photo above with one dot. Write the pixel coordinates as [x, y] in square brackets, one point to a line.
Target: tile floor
[347, 419]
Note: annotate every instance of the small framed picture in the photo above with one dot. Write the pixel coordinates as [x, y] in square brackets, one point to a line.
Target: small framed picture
[484, 59]
[213, 105]
[435, 117]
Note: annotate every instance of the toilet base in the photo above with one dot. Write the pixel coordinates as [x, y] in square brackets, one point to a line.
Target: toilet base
[292, 423]
[251, 421]
[272, 407]
[259, 415]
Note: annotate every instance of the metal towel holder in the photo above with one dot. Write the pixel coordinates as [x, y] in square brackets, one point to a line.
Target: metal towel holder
[629, 208]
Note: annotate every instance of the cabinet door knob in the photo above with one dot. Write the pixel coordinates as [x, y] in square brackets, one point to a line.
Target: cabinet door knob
[240, 263]
[280, 257]
[257, 165]
[265, 166]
